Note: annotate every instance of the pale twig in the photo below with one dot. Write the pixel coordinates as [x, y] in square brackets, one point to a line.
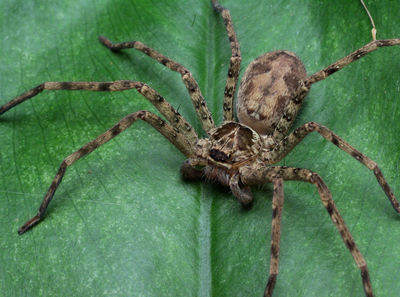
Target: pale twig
[373, 30]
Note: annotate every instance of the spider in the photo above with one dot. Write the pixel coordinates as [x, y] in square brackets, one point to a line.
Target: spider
[235, 154]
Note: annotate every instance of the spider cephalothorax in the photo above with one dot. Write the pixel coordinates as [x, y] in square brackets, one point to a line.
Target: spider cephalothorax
[235, 154]
[233, 144]
[228, 148]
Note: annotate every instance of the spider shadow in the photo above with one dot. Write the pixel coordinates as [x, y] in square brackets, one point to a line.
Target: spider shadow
[4, 119]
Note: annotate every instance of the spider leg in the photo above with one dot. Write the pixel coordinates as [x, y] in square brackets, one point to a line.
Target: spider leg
[240, 191]
[167, 130]
[256, 176]
[156, 99]
[277, 205]
[293, 107]
[340, 64]
[235, 60]
[119, 85]
[199, 103]
[290, 113]
[289, 142]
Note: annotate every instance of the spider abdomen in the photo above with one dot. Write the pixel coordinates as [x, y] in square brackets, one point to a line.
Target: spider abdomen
[267, 86]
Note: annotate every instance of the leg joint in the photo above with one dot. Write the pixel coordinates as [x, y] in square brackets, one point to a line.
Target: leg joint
[311, 126]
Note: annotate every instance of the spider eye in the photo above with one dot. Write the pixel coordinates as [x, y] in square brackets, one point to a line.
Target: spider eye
[218, 155]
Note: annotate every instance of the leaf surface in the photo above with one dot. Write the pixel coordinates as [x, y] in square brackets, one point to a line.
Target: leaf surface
[123, 222]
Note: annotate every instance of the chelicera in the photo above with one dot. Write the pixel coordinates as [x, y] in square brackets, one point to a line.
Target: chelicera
[235, 154]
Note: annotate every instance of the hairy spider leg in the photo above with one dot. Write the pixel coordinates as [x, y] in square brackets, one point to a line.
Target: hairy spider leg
[277, 206]
[289, 142]
[290, 113]
[251, 176]
[198, 101]
[354, 56]
[167, 130]
[173, 116]
[234, 64]
[292, 109]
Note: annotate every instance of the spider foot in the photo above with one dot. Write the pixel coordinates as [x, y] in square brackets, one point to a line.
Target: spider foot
[29, 224]
[216, 6]
[107, 43]
[270, 285]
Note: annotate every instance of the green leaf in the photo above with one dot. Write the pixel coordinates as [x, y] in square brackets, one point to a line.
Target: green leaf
[123, 222]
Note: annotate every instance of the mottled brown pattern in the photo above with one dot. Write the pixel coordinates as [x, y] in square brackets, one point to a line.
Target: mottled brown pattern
[277, 206]
[234, 63]
[242, 192]
[21, 98]
[237, 142]
[340, 64]
[236, 155]
[267, 86]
